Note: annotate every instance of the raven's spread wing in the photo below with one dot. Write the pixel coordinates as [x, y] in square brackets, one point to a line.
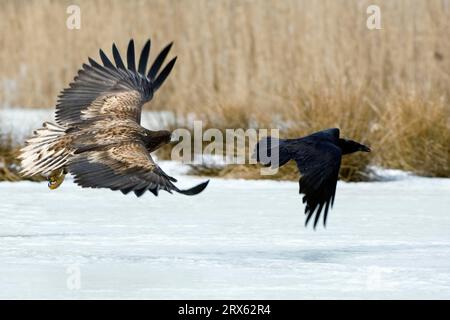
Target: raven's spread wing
[319, 163]
[112, 90]
[327, 133]
[126, 167]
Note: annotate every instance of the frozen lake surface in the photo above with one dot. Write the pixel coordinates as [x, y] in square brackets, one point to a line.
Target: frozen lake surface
[238, 239]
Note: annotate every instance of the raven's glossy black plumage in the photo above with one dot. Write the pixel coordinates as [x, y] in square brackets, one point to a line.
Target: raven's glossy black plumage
[318, 158]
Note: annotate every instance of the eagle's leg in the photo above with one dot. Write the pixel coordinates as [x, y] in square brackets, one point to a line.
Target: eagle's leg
[56, 178]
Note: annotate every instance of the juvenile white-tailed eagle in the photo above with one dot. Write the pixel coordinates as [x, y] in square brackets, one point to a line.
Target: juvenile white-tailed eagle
[97, 136]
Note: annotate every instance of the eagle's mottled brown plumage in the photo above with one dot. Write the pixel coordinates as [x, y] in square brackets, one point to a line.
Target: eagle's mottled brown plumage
[98, 137]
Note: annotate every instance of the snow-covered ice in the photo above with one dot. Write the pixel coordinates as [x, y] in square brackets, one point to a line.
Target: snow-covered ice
[238, 239]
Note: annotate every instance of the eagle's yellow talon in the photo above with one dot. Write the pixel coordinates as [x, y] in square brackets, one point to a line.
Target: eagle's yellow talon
[55, 179]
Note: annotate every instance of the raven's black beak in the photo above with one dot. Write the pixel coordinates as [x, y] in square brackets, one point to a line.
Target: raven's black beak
[363, 148]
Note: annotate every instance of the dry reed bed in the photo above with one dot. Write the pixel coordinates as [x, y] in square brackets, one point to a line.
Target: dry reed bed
[9, 163]
[307, 64]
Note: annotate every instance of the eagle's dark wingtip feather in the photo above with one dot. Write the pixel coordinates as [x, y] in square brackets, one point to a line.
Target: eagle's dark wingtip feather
[195, 190]
[154, 69]
[126, 190]
[130, 56]
[164, 74]
[117, 57]
[144, 58]
[106, 62]
[93, 62]
[140, 192]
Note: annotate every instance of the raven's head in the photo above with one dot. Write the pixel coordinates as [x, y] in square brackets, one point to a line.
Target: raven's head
[350, 146]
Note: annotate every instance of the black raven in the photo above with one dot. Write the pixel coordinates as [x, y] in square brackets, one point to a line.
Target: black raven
[318, 158]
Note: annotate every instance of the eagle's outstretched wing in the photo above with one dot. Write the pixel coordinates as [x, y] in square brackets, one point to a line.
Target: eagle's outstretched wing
[114, 91]
[126, 167]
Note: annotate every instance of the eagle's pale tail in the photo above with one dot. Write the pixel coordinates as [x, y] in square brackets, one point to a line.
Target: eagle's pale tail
[45, 152]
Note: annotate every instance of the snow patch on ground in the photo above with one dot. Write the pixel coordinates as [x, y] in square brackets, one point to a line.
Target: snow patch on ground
[383, 174]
